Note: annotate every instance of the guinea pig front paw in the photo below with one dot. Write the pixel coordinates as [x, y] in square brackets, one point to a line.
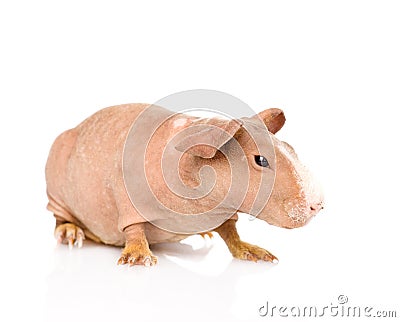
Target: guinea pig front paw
[137, 255]
[251, 252]
[69, 234]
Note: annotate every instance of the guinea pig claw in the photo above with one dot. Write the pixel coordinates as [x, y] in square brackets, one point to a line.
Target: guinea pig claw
[147, 261]
[79, 242]
[70, 242]
[131, 261]
[122, 260]
[271, 258]
[79, 239]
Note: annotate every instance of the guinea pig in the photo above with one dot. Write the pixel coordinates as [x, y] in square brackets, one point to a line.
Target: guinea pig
[137, 174]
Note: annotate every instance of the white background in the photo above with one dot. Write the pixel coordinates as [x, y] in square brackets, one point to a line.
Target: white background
[332, 66]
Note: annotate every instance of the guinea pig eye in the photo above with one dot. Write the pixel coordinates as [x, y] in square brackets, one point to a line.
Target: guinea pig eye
[261, 161]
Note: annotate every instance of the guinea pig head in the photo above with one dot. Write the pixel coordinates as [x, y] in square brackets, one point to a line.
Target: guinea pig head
[266, 175]
[296, 196]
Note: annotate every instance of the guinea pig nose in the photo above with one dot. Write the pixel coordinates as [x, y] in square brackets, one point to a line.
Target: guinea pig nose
[316, 206]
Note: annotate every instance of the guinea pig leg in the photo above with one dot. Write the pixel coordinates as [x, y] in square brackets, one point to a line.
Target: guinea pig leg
[69, 233]
[240, 249]
[136, 251]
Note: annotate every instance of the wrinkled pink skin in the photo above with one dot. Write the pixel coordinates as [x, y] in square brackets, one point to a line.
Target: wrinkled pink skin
[86, 189]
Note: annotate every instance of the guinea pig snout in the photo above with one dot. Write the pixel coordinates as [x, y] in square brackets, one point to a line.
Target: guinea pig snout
[312, 192]
[315, 197]
[316, 207]
[301, 210]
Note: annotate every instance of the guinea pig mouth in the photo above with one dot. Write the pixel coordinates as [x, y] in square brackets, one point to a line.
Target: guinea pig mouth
[300, 216]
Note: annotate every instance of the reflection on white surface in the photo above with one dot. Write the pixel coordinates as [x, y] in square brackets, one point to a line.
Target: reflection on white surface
[183, 285]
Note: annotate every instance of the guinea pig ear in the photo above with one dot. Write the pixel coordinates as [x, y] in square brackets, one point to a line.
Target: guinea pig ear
[208, 136]
[273, 118]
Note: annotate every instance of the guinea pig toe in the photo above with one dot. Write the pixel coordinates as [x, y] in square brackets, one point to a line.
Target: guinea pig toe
[250, 257]
[80, 236]
[154, 260]
[132, 260]
[270, 258]
[146, 260]
[209, 234]
[127, 259]
[122, 260]
[265, 255]
[149, 261]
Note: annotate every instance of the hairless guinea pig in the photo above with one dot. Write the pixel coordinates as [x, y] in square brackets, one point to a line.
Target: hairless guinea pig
[137, 174]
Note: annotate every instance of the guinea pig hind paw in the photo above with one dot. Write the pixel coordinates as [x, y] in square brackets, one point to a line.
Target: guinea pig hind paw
[69, 234]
